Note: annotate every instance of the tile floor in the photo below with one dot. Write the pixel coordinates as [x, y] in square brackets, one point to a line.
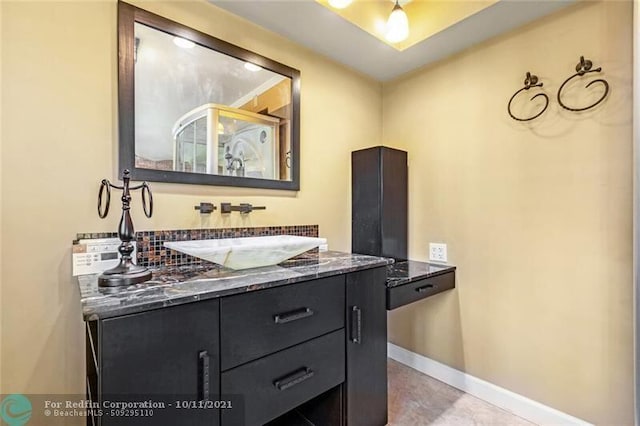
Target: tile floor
[416, 399]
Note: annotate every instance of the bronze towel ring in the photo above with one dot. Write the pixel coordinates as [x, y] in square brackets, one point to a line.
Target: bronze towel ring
[529, 82]
[584, 67]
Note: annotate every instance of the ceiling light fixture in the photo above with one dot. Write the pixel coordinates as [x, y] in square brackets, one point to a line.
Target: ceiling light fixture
[252, 67]
[339, 4]
[183, 42]
[397, 25]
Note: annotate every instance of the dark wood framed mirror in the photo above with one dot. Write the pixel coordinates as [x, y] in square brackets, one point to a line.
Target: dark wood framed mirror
[195, 109]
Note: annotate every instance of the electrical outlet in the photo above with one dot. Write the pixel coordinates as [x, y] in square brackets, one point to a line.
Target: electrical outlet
[438, 252]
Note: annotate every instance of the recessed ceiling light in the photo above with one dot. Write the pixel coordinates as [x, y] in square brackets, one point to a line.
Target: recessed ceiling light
[252, 67]
[397, 25]
[183, 42]
[340, 4]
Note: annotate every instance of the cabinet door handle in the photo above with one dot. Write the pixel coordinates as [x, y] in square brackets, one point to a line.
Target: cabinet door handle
[426, 288]
[203, 358]
[294, 378]
[356, 325]
[292, 315]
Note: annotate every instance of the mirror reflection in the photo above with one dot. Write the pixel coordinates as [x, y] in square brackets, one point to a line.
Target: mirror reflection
[201, 111]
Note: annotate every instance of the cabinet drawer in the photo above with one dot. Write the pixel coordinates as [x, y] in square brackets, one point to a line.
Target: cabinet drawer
[262, 322]
[414, 291]
[269, 387]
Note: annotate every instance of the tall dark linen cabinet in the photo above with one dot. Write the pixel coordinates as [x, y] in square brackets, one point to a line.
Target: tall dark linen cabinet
[379, 202]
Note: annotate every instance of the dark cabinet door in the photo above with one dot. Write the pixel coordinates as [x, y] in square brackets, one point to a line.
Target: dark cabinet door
[170, 355]
[366, 387]
[379, 202]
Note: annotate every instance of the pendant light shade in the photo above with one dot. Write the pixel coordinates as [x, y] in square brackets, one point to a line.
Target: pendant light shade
[397, 25]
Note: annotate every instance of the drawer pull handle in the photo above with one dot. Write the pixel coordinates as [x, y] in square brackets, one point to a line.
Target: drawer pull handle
[294, 378]
[203, 357]
[356, 325]
[426, 288]
[292, 315]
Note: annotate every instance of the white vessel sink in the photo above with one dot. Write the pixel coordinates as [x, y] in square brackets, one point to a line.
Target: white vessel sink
[249, 252]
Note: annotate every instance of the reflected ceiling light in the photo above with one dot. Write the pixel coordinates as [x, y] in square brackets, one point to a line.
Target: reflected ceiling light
[183, 42]
[252, 67]
[340, 4]
[220, 129]
[397, 25]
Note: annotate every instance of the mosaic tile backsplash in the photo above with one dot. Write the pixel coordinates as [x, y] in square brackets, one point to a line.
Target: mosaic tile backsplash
[152, 253]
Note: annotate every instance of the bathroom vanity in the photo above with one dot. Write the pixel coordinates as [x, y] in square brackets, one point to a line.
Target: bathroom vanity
[302, 341]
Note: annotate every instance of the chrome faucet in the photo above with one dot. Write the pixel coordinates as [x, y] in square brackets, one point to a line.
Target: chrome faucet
[235, 165]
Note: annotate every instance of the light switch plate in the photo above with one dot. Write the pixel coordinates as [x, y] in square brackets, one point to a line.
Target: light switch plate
[438, 252]
[93, 256]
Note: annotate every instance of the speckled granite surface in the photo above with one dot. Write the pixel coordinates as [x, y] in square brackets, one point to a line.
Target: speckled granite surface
[176, 285]
[407, 271]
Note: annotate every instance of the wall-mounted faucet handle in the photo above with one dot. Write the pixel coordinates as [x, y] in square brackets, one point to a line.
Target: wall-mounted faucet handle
[243, 208]
[205, 208]
[246, 208]
[225, 208]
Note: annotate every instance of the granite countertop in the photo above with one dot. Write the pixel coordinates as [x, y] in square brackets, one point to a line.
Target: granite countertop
[177, 285]
[404, 272]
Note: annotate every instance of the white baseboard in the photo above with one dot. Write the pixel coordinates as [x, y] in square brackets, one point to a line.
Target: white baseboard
[510, 401]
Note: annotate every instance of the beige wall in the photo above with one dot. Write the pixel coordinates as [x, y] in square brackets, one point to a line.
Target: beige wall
[538, 217]
[636, 210]
[59, 135]
[1, 389]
